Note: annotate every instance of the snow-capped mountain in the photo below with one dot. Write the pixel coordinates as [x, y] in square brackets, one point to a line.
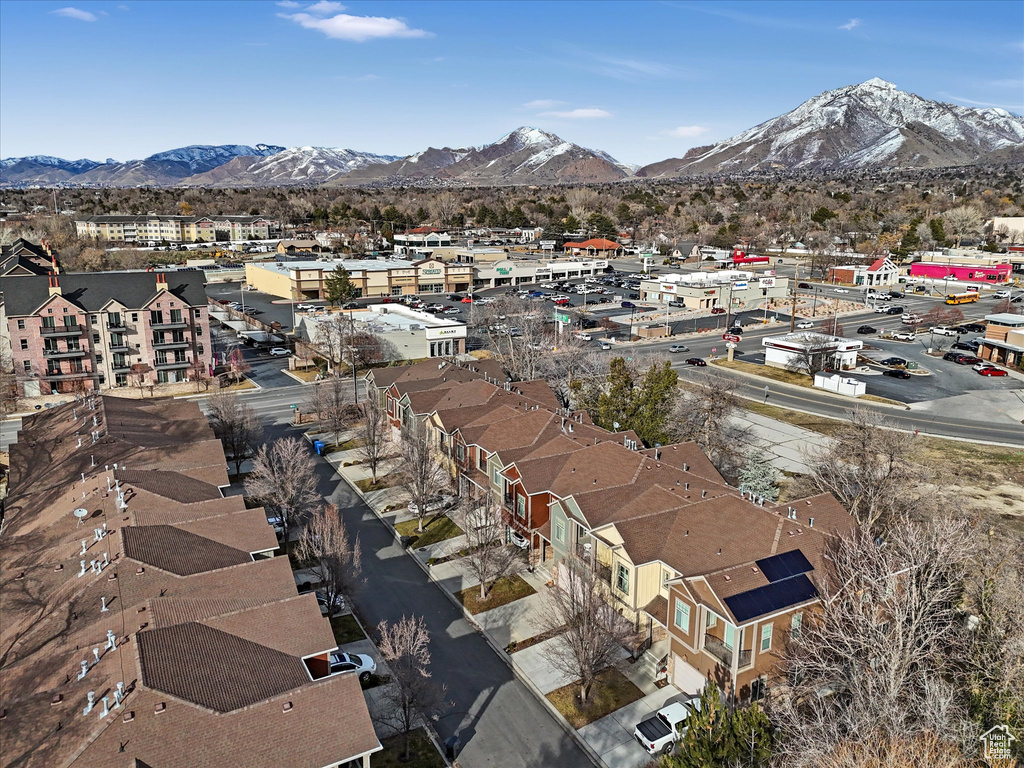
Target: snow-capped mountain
[163, 168]
[870, 125]
[525, 156]
[298, 165]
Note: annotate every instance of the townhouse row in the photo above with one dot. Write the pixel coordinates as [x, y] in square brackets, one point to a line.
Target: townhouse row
[713, 577]
[146, 618]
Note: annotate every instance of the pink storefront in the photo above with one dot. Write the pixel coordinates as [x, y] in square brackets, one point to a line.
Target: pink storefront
[1000, 273]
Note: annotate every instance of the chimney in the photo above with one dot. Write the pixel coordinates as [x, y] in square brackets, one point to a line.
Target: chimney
[161, 281]
[54, 286]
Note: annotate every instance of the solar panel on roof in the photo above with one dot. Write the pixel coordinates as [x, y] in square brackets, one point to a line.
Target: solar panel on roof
[778, 567]
[771, 597]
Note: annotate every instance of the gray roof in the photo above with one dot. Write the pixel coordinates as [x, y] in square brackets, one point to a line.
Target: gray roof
[133, 219]
[91, 291]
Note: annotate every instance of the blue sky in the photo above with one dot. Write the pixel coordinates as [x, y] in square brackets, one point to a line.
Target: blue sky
[643, 81]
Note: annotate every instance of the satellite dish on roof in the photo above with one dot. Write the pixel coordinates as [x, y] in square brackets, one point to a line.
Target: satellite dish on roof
[81, 513]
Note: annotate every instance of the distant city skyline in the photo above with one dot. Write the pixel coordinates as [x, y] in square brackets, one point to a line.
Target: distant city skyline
[642, 81]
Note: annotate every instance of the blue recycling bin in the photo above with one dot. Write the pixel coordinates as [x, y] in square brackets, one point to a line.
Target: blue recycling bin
[318, 446]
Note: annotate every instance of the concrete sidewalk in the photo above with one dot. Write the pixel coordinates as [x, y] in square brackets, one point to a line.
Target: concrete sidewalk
[787, 444]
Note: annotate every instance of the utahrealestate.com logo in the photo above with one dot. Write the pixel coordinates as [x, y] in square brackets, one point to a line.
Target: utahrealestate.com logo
[996, 743]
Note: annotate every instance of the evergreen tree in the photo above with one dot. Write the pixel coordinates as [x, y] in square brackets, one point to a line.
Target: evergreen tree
[338, 286]
[601, 225]
[572, 224]
[642, 406]
[759, 476]
[718, 736]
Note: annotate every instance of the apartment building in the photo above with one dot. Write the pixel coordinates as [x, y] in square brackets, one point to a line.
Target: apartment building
[153, 229]
[148, 620]
[711, 577]
[78, 332]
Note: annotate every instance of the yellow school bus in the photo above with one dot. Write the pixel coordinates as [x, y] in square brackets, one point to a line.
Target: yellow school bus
[962, 298]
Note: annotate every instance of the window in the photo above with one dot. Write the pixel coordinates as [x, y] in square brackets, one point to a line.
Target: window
[135, 317]
[96, 338]
[758, 687]
[176, 316]
[21, 325]
[24, 343]
[559, 525]
[113, 319]
[520, 505]
[730, 636]
[497, 476]
[766, 637]
[28, 365]
[711, 620]
[682, 616]
[197, 313]
[199, 330]
[460, 452]
[99, 358]
[794, 625]
[622, 579]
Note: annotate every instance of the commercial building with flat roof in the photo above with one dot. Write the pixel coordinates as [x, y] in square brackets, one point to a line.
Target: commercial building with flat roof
[718, 288]
[411, 334]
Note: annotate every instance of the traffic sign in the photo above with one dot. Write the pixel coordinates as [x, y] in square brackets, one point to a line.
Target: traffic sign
[730, 345]
[731, 337]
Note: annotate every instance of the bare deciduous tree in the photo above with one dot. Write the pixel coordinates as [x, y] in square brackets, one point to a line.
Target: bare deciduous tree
[444, 207]
[421, 474]
[582, 201]
[374, 432]
[317, 402]
[876, 659]
[413, 696]
[516, 336]
[704, 414]
[283, 479]
[571, 363]
[334, 558]
[816, 354]
[962, 221]
[237, 427]
[8, 382]
[867, 467]
[489, 557]
[594, 631]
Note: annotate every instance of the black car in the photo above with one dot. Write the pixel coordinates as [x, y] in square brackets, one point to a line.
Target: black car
[350, 305]
[865, 329]
[898, 294]
[954, 356]
[804, 285]
[696, 361]
[973, 327]
[895, 311]
[735, 330]
[969, 346]
[897, 374]
[454, 297]
[894, 361]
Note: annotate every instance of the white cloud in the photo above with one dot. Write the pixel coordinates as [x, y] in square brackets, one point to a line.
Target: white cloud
[123, 8]
[973, 103]
[358, 29]
[686, 131]
[74, 13]
[289, 4]
[325, 7]
[588, 113]
[543, 104]
[851, 24]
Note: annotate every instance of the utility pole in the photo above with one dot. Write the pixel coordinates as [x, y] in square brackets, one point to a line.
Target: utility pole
[792, 314]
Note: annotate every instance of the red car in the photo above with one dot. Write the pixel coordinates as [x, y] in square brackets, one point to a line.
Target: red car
[992, 372]
[387, 300]
[467, 299]
[717, 311]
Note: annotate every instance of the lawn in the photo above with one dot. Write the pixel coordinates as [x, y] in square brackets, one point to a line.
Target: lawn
[611, 691]
[435, 529]
[346, 629]
[767, 372]
[423, 752]
[503, 592]
[367, 484]
[349, 445]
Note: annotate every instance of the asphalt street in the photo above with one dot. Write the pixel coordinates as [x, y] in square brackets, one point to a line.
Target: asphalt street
[496, 718]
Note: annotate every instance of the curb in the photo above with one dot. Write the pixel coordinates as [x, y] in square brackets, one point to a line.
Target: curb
[559, 718]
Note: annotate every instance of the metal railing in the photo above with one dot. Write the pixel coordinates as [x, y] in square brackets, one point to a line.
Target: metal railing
[717, 648]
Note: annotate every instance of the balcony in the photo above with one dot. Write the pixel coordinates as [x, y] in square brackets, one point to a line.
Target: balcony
[66, 375]
[180, 325]
[169, 364]
[173, 345]
[122, 366]
[586, 553]
[61, 330]
[61, 354]
[715, 647]
[120, 325]
[121, 346]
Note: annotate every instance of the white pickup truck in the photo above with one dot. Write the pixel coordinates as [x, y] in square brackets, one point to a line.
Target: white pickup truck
[658, 733]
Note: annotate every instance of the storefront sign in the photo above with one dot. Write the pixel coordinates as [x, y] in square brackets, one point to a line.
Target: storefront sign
[766, 282]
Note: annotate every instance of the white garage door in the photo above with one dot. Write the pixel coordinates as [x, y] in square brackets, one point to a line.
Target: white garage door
[686, 678]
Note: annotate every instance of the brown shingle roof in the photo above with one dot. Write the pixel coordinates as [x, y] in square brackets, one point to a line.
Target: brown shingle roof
[171, 485]
[215, 669]
[178, 551]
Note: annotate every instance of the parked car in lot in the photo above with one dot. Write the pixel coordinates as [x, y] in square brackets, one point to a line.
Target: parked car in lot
[362, 665]
[866, 329]
[943, 330]
[974, 327]
[678, 348]
[698, 361]
[659, 733]
[967, 346]
[991, 371]
[897, 373]
[954, 356]
[805, 324]
[517, 540]
[467, 299]
[982, 364]
[718, 310]
[893, 361]
[968, 360]
[279, 352]
[904, 336]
